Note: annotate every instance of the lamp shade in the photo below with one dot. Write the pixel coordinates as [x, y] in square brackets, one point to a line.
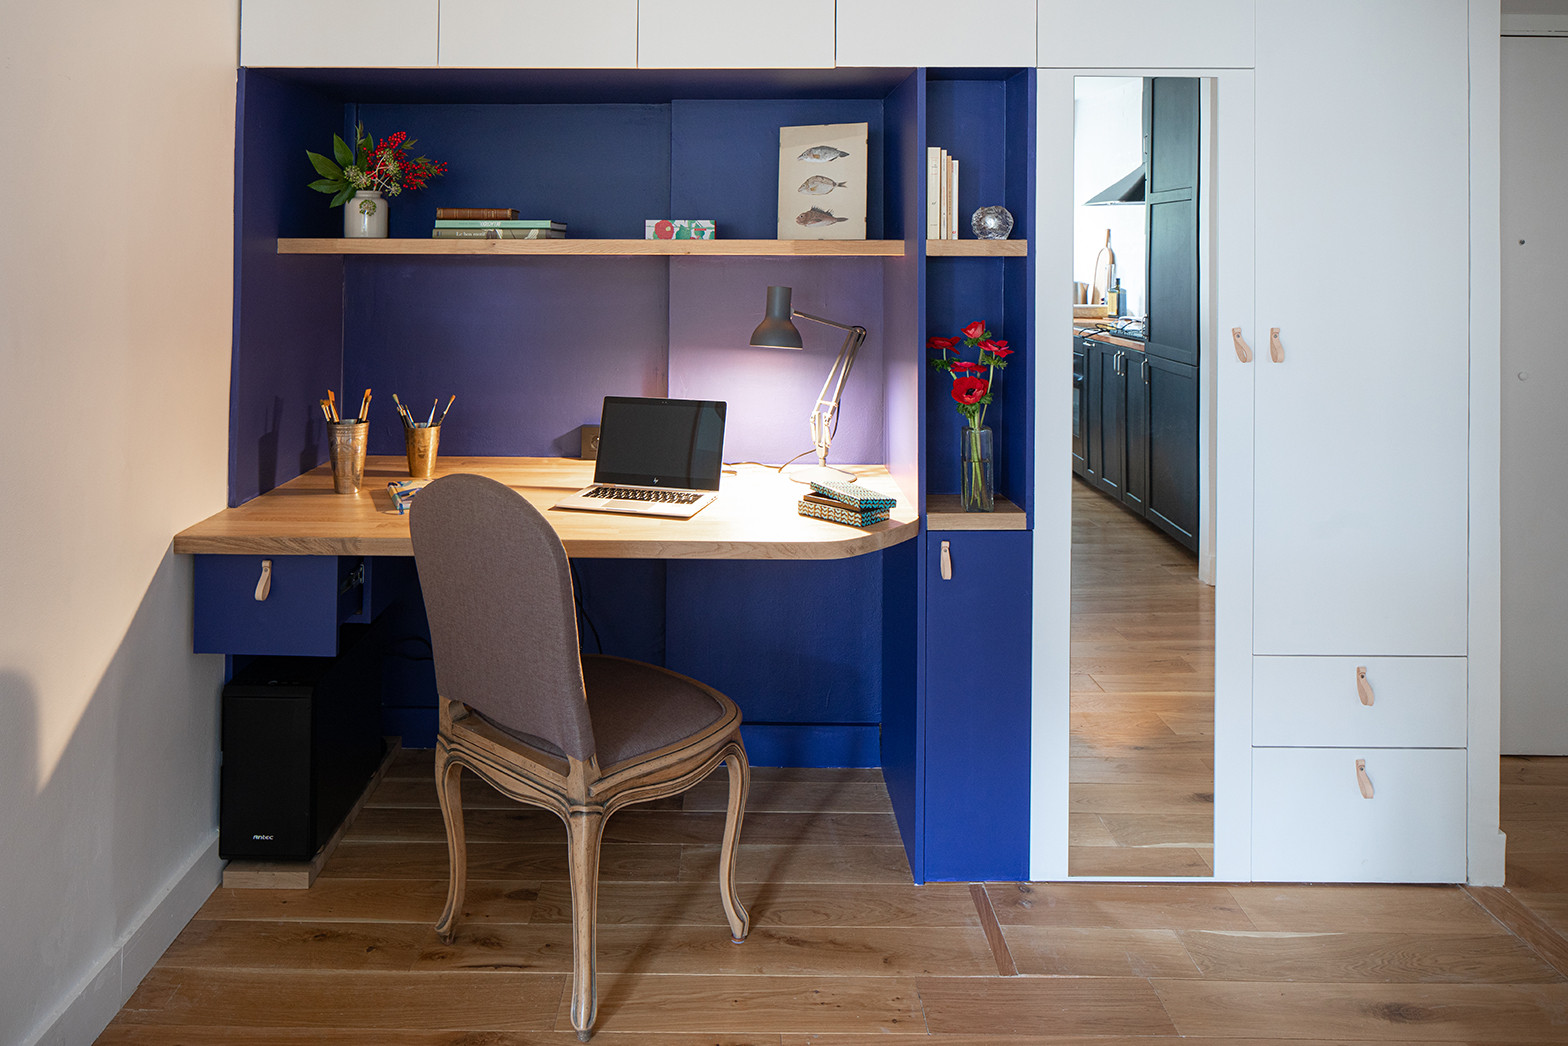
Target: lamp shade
[777, 330]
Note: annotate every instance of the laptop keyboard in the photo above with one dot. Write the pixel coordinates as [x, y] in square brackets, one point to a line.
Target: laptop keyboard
[667, 497]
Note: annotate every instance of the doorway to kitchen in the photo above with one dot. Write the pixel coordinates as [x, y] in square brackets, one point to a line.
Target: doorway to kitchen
[1141, 697]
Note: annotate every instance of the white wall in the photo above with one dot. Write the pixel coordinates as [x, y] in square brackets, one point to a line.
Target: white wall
[115, 305]
[1534, 387]
[1107, 145]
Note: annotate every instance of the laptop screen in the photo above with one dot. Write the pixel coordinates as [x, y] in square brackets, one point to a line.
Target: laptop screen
[661, 442]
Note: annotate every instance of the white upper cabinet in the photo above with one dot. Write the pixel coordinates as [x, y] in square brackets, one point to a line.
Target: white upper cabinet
[331, 33]
[1361, 435]
[539, 34]
[1147, 34]
[726, 34]
[936, 33]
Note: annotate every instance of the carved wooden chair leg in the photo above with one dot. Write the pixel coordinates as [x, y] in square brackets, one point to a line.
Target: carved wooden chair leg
[740, 784]
[584, 829]
[449, 792]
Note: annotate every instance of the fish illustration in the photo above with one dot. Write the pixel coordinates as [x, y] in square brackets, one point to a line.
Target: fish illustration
[821, 154]
[817, 216]
[819, 185]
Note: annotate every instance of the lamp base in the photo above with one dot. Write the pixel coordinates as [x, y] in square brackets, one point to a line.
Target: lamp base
[808, 474]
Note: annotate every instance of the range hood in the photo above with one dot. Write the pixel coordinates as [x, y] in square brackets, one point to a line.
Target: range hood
[1128, 190]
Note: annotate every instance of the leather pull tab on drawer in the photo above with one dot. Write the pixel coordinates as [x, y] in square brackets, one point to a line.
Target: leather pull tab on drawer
[1276, 347]
[1364, 688]
[947, 562]
[264, 583]
[1362, 780]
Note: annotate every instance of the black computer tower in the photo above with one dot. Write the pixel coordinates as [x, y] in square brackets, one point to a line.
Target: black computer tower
[301, 739]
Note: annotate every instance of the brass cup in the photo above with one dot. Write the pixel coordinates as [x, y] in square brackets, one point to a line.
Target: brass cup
[422, 442]
[346, 441]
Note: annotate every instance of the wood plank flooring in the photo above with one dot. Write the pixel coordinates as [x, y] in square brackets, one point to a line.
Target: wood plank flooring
[1141, 765]
[846, 951]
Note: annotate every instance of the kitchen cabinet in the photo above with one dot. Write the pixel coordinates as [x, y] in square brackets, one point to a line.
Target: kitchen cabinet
[721, 34]
[1167, 415]
[1107, 427]
[981, 34]
[541, 34]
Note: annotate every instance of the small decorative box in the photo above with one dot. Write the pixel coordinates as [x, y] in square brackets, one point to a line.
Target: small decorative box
[854, 495]
[678, 229]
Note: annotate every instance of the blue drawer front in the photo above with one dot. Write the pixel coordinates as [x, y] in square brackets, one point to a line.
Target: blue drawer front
[310, 596]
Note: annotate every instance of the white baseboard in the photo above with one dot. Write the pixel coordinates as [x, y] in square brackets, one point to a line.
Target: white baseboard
[88, 1008]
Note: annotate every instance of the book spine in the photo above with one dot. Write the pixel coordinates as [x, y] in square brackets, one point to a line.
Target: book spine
[945, 175]
[476, 212]
[497, 234]
[933, 187]
[952, 204]
[498, 223]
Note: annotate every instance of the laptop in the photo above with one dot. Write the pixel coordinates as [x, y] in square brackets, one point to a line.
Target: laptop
[657, 457]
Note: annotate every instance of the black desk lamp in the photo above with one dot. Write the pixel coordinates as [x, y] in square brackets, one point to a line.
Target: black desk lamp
[777, 331]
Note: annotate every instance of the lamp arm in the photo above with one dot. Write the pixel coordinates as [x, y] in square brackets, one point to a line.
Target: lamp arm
[825, 412]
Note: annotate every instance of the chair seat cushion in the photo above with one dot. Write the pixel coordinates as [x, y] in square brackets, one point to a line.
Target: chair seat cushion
[635, 708]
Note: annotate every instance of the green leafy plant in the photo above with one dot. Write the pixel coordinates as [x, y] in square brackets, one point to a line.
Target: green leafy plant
[386, 167]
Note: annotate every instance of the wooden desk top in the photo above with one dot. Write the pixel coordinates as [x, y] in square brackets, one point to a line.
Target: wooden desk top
[754, 517]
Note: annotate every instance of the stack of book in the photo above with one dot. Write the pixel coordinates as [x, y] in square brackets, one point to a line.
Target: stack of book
[493, 223]
[847, 503]
[941, 195]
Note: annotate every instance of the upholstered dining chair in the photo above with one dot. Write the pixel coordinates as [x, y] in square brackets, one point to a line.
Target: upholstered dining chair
[523, 710]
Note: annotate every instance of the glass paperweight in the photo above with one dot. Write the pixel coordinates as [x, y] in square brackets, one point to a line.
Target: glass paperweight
[992, 223]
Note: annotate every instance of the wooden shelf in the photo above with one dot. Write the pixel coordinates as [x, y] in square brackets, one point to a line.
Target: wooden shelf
[603, 248]
[977, 248]
[945, 512]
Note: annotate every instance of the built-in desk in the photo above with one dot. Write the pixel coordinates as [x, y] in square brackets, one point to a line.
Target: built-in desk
[753, 518]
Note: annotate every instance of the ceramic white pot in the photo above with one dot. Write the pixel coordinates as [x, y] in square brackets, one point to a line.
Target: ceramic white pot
[365, 215]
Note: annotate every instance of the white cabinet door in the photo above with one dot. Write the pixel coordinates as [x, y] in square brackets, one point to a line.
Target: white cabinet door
[1155, 34]
[338, 33]
[1363, 266]
[724, 34]
[539, 34]
[978, 34]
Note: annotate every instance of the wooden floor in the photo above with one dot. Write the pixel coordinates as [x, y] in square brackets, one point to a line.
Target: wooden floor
[845, 949]
[1141, 768]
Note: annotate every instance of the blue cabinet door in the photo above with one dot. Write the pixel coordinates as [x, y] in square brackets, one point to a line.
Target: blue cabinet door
[975, 730]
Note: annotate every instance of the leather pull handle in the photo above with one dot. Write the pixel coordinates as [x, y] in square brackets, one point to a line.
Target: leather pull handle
[1362, 780]
[1243, 350]
[1276, 347]
[1364, 688]
[264, 583]
[947, 561]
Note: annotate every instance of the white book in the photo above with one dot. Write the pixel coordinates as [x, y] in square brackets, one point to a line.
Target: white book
[944, 172]
[952, 204]
[933, 191]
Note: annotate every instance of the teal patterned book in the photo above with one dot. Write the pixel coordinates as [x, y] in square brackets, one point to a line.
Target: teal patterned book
[854, 495]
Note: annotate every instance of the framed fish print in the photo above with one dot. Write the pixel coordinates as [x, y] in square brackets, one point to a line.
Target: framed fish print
[822, 182]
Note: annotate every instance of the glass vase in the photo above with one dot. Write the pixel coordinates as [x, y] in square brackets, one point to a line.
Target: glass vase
[977, 465]
[365, 216]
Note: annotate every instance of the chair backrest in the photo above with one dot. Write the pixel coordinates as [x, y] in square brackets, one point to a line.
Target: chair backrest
[503, 625]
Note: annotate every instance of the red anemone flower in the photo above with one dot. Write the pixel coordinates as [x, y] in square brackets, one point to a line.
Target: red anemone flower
[941, 343]
[975, 329]
[963, 365]
[969, 391]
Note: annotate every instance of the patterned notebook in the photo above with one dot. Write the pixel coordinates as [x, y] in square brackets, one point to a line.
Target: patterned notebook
[854, 495]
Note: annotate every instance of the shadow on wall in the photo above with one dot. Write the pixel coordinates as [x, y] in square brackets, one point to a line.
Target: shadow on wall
[90, 846]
